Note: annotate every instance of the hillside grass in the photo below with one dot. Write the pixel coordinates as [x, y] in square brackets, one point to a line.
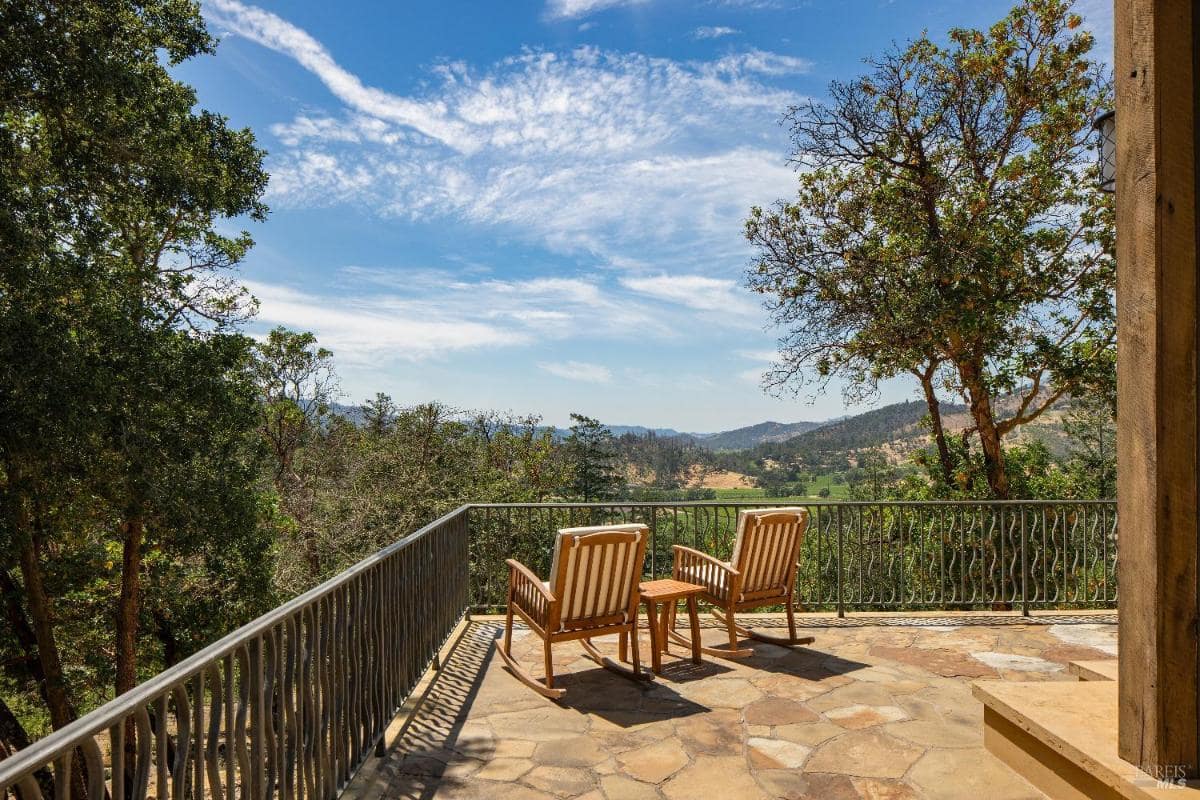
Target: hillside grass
[837, 491]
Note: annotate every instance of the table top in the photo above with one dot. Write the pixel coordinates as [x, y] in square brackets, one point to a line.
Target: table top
[667, 588]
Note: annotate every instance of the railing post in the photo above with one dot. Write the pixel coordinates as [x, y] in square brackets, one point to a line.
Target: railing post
[1024, 564]
[841, 607]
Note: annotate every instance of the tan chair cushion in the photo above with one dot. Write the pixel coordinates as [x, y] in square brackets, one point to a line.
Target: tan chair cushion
[607, 575]
[768, 566]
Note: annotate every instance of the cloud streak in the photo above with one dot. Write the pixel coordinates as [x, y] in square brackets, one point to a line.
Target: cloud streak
[577, 371]
[713, 32]
[618, 158]
[573, 9]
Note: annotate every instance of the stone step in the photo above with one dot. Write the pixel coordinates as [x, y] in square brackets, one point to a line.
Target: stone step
[1105, 670]
[1061, 736]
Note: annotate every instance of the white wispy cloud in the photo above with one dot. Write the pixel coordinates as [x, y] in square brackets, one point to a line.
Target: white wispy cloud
[377, 315]
[713, 32]
[577, 371]
[570, 9]
[363, 329]
[276, 33]
[763, 62]
[763, 360]
[698, 292]
[627, 158]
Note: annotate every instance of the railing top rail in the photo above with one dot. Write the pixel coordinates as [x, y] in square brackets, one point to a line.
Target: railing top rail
[767, 501]
[66, 738]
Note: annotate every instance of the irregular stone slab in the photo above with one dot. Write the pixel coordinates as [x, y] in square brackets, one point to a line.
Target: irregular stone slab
[875, 789]
[940, 776]
[830, 787]
[655, 763]
[541, 724]
[722, 692]
[574, 751]
[504, 769]
[941, 733]
[1066, 653]
[513, 748]
[778, 711]
[789, 783]
[809, 733]
[480, 790]
[865, 694]
[865, 754]
[947, 663]
[798, 688]
[562, 781]
[711, 777]
[776, 753]
[863, 716]
[617, 787]
[718, 732]
[1010, 661]
[1097, 637]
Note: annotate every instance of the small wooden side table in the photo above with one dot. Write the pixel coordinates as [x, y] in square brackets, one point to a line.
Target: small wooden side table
[669, 592]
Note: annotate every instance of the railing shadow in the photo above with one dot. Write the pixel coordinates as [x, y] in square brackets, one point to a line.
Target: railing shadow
[424, 758]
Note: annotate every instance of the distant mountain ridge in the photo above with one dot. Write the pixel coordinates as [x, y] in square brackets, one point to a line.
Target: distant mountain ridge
[753, 435]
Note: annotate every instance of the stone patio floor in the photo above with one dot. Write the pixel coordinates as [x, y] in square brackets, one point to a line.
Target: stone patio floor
[876, 707]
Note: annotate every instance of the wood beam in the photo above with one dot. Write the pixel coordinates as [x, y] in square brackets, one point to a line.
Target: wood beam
[1157, 401]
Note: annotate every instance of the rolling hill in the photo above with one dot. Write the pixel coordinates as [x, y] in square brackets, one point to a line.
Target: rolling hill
[753, 435]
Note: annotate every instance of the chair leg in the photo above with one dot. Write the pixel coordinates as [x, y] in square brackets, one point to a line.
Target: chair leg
[637, 669]
[508, 629]
[549, 663]
[791, 617]
[732, 628]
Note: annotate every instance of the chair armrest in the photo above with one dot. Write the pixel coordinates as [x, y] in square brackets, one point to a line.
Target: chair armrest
[715, 575]
[528, 593]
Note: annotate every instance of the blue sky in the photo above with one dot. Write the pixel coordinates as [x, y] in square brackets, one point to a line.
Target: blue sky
[536, 206]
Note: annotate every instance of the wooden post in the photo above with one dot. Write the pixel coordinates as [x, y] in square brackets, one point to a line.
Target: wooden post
[1157, 401]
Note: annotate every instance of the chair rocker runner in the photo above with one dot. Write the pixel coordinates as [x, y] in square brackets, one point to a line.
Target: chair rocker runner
[760, 572]
[592, 591]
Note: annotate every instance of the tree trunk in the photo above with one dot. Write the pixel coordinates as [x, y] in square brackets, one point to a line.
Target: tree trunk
[12, 733]
[129, 604]
[939, 432]
[40, 611]
[18, 623]
[985, 424]
[13, 737]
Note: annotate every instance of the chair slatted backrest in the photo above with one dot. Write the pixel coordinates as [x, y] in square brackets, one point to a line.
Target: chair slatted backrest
[595, 574]
[767, 548]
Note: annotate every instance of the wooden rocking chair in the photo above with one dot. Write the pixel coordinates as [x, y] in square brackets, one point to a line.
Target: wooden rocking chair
[761, 572]
[592, 591]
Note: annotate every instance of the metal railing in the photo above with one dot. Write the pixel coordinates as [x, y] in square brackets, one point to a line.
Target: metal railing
[291, 704]
[856, 555]
[288, 705]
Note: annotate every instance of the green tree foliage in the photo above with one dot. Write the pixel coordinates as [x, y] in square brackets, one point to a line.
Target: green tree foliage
[124, 399]
[1091, 426]
[593, 459]
[948, 224]
[297, 386]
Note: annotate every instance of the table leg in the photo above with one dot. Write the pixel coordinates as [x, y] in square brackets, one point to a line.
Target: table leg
[665, 622]
[652, 623]
[694, 619]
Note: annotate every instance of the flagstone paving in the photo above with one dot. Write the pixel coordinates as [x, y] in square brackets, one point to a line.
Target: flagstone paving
[867, 711]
